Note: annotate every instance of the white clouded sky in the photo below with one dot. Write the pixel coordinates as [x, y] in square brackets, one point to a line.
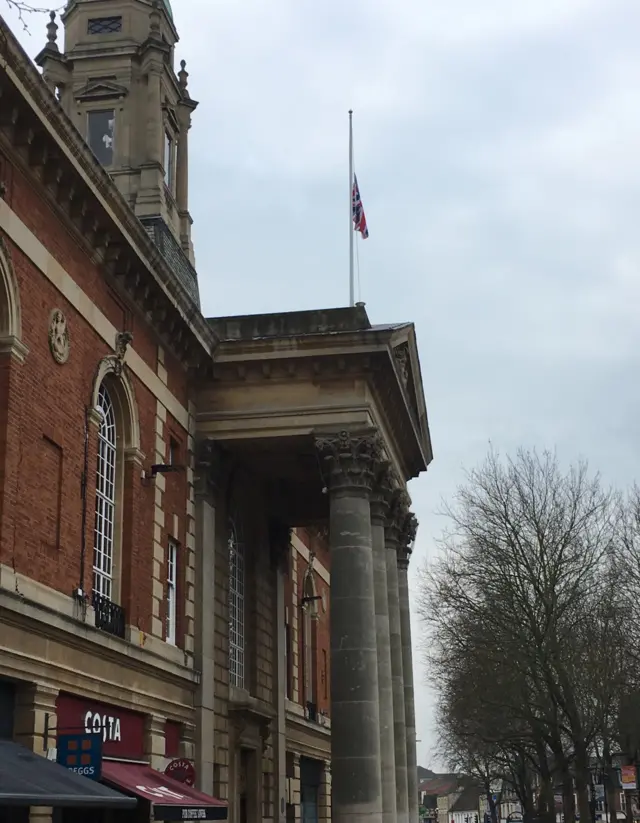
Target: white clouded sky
[497, 149]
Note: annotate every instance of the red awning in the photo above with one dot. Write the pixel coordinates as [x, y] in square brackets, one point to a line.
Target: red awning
[169, 799]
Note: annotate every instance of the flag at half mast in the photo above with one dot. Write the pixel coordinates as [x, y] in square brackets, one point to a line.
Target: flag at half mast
[357, 211]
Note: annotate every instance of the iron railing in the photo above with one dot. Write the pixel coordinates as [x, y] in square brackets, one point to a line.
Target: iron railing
[109, 616]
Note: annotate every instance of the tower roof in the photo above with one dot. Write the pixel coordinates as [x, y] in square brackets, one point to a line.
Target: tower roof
[168, 8]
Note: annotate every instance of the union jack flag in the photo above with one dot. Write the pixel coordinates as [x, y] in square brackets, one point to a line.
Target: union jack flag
[357, 211]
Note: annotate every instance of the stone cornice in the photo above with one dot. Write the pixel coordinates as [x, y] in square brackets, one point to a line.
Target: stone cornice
[366, 353]
[48, 147]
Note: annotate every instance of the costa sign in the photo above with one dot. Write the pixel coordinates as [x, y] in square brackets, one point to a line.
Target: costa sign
[182, 770]
[106, 725]
[121, 730]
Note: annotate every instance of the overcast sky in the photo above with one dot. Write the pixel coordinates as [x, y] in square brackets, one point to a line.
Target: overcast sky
[497, 149]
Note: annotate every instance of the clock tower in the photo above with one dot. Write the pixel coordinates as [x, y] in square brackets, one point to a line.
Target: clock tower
[117, 82]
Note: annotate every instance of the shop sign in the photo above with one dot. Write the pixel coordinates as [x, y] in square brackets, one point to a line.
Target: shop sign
[120, 731]
[81, 753]
[182, 770]
[628, 778]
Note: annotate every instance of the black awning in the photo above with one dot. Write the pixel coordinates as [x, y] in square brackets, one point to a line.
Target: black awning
[28, 779]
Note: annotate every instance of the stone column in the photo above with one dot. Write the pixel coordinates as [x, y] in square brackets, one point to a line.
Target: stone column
[392, 534]
[407, 537]
[379, 512]
[34, 726]
[280, 545]
[207, 472]
[154, 740]
[348, 461]
[324, 795]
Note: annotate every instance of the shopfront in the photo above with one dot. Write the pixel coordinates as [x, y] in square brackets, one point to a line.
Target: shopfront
[28, 779]
[130, 742]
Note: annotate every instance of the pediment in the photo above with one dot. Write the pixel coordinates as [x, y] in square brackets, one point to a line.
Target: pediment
[407, 366]
[102, 90]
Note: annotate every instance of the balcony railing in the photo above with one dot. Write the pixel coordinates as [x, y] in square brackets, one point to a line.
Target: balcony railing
[312, 712]
[109, 616]
[173, 253]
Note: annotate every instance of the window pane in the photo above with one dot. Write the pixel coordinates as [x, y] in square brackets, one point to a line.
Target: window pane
[105, 498]
[168, 161]
[172, 584]
[236, 609]
[101, 135]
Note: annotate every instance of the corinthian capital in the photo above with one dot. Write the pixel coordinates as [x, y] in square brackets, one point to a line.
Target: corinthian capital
[399, 503]
[408, 531]
[350, 460]
[384, 485]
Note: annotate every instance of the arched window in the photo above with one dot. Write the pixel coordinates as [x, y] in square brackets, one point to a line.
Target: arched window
[236, 607]
[104, 531]
[309, 637]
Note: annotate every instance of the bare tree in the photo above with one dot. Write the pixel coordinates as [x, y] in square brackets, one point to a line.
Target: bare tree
[519, 590]
[24, 9]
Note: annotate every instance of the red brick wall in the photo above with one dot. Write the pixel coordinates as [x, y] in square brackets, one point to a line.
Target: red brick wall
[42, 414]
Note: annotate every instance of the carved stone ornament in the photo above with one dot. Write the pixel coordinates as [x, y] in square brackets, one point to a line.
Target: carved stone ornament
[123, 340]
[408, 532]
[59, 342]
[401, 354]
[383, 485]
[350, 461]
[399, 503]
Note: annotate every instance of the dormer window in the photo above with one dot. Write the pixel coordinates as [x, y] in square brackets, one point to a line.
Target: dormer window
[104, 25]
[100, 134]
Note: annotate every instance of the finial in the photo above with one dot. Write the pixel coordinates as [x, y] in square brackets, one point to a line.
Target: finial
[52, 32]
[183, 76]
[154, 21]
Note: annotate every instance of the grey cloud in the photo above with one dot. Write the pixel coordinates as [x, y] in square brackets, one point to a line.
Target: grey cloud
[496, 148]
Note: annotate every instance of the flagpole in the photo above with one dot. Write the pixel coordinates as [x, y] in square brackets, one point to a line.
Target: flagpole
[351, 231]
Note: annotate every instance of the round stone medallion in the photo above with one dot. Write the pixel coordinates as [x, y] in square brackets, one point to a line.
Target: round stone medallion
[59, 336]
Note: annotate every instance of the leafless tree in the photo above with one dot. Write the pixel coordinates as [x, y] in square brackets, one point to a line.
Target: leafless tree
[518, 604]
[25, 9]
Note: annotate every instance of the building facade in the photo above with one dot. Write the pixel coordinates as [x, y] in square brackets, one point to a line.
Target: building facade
[176, 491]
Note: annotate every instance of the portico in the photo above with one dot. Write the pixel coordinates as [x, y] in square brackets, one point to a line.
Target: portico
[326, 412]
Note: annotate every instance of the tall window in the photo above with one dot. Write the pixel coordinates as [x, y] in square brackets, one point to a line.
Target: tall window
[325, 674]
[309, 661]
[288, 662]
[236, 608]
[172, 586]
[103, 535]
[169, 149]
[101, 130]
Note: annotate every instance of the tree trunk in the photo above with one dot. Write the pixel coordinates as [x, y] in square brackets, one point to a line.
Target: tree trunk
[582, 781]
[546, 798]
[568, 797]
